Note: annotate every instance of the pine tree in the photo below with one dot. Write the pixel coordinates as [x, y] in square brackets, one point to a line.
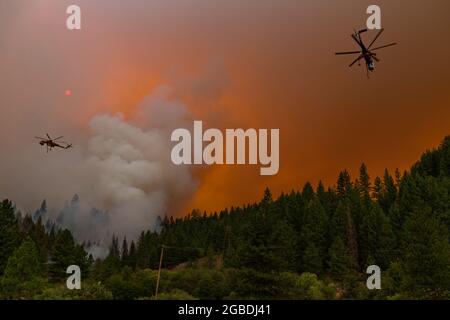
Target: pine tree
[132, 255]
[339, 221]
[24, 263]
[124, 256]
[267, 199]
[339, 262]
[142, 252]
[22, 269]
[9, 233]
[363, 183]
[426, 256]
[282, 244]
[320, 191]
[342, 226]
[307, 192]
[377, 239]
[312, 259]
[389, 192]
[315, 232]
[344, 184]
[377, 188]
[114, 248]
[256, 252]
[398, 179]
[40, 238]
[65, 253]
[41, 212]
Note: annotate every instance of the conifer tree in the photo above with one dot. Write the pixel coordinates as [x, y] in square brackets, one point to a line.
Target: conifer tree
[389, 192]
[426, 256]
[124, 256]
[344, 184]
[377, 241]
[342, 227]
[312, 259]
[315, 232]
[23, 272]
[363, 183]
[9, 233]
[24, 263]
[307, 192]
[132, 255]
[377, 188]
[339, 261]
[65, 253]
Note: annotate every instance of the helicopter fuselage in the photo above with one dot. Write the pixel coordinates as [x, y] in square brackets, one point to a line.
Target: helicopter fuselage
[369, 62]
[367, 55]
[50, 144]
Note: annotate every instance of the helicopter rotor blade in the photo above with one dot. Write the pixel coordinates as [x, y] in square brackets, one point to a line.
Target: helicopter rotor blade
[375, 58]
[356, 60]
[357, 40]
[49, 136]
[375, 39]
[385, 46]
[348, 52]
[58, 138]
[40, 138]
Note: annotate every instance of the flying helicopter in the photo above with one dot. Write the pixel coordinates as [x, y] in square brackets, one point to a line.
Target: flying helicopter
[53, 143]
[366, 52]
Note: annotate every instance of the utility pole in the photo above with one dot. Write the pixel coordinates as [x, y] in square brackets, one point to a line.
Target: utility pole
[159, 271]
[160, 264]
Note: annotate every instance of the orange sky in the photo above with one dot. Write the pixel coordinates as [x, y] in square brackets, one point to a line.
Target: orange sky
[254, 63]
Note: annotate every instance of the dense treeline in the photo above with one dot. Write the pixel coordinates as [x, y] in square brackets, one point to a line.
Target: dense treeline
[311, 244]
[30, 256]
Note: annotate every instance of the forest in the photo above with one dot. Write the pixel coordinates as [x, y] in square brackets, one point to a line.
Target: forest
[314, 243]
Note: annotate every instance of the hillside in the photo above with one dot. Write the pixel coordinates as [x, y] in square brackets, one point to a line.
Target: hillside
[310, 244]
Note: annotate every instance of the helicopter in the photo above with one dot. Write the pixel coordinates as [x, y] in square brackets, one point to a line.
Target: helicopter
[52, 143]
[366, 52]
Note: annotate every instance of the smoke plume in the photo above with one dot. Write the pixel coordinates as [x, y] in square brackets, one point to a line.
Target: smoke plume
[128, 177]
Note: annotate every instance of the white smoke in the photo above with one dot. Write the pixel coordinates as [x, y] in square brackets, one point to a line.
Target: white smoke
[127, 173]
